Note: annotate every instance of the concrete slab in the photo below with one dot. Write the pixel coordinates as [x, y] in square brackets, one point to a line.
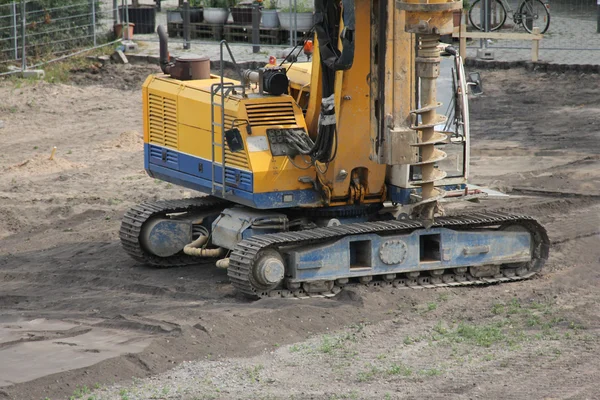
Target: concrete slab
[129, 45]
[33, 74]
[119, 57]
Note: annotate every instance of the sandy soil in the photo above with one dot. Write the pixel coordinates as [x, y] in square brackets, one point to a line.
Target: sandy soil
[76, 313]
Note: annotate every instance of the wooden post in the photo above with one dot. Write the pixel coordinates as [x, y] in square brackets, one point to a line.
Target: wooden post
[462, 50]
[535, 45]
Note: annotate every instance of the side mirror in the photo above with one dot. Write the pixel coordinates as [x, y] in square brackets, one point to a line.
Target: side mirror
[474, 82]
[234, 140]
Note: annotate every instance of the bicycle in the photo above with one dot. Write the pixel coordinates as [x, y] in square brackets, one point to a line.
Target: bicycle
[531, 13]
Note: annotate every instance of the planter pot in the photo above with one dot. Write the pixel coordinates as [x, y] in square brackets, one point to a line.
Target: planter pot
[304, 20]
[269, 19]
[196, 14]
[456, 16]
[127, 35]
[242, 15]
[144, 18]
[215, 15]
[176, 16]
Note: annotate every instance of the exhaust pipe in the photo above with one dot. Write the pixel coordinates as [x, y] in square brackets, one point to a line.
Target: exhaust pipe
[165, 64]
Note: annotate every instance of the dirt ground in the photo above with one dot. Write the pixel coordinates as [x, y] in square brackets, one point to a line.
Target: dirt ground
[79, 318]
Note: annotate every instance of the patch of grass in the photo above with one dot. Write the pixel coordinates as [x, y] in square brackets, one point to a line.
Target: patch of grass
[60, 71]
[484, 336]
[253, 373]
[399, 369]
[328, 344]
[350, 395]
[498, 309]
[440, 328]
[412, 340]
[124, 394]
[575, 326]
[369, 374]
[514, 307]
[430, 372]
[79, 392]
[431, 306]
[295, 348]
[533, 320]
[480, 335]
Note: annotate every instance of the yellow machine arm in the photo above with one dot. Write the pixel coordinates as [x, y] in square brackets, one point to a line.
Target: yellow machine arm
[380, 127]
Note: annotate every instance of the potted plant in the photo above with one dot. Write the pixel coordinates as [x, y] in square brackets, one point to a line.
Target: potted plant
[216, 11]
[126, 34]
[196, 11]
[175, 15]
[269, 14]
[242, 13]
[303, 14]
[143, 16]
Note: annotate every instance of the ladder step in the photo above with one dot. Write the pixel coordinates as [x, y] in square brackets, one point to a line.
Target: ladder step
[217, 144]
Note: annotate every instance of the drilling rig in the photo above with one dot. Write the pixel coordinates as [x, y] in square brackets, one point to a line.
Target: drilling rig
[323, 174]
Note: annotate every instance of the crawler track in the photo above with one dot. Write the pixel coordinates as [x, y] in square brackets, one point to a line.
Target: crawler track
[247, 251]
[134, 219]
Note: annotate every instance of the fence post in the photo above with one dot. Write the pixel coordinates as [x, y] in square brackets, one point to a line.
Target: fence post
[23, 26]
[484, 21]
[598, 17]
[535, 46]
[186, 25]
[463, 35]
[255, 28]
[115, 12]
[295, 25]
[92, 29]
[291, 32]
[14, 33]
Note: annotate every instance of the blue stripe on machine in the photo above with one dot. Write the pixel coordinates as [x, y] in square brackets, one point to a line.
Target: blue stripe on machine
[195, 173]
[164, 156]
[197, 166]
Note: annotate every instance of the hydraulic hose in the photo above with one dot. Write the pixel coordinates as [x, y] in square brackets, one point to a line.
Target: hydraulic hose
[193, 249]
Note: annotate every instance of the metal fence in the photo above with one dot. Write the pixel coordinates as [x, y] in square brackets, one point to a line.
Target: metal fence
[33, 32]
[237, 28]
[574, 26]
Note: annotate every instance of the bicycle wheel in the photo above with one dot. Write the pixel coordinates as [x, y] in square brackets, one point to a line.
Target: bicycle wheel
[497, 15]
[533, 13]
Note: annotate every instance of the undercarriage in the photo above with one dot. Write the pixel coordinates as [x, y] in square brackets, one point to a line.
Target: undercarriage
[301, 254]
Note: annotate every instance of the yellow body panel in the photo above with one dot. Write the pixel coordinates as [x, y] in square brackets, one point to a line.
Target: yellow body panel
[181, 111]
